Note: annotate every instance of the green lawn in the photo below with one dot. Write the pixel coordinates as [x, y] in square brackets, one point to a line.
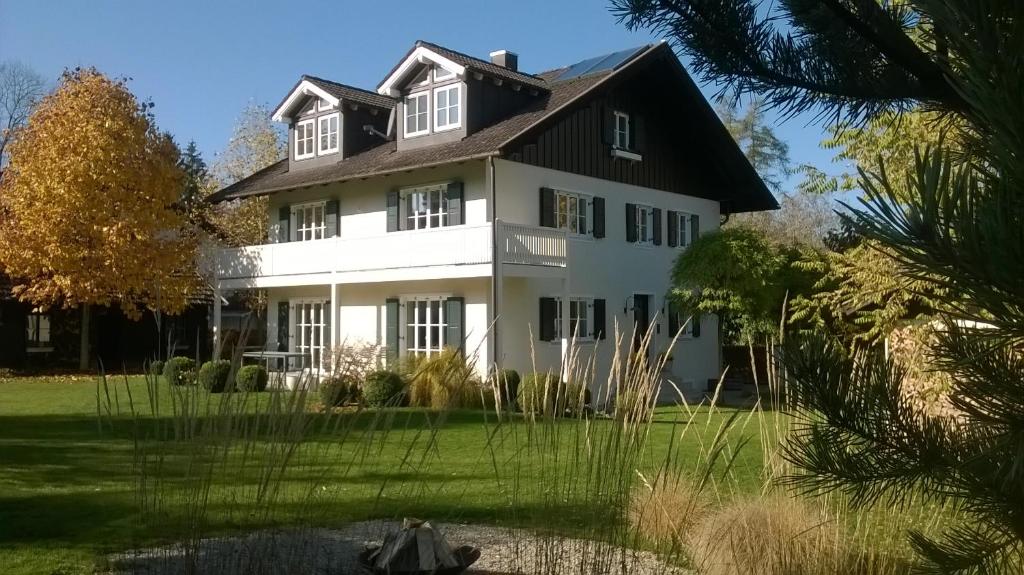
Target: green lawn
[68, 491]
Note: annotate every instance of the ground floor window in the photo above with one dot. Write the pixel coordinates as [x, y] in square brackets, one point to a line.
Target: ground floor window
[426, 325]
[310, 330]
[38, 330]
[580, 318]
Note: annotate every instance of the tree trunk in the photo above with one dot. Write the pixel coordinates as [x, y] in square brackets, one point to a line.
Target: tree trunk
[83, 351]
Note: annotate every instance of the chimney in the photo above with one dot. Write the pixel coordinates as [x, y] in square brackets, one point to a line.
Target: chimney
[506, 59]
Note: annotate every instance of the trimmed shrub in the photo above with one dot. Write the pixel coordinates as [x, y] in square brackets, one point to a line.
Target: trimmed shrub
[251, 378]
[180, 370]
[156, 368]
[530, 394]
[507, 382]
[574, 398]
[213, 375]
[339, 390]
[383, 388]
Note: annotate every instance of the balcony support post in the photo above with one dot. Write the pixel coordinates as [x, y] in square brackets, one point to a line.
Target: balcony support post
[335, 329]
[563, 317]
[498, 292]
[216, 320]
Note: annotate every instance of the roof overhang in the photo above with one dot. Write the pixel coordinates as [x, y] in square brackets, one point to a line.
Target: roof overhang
[421, 55]
[303, 89]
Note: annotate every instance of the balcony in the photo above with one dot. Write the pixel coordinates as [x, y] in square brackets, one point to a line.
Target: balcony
[458, 251]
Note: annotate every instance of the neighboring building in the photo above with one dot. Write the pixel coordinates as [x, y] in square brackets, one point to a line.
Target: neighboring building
[463, 200]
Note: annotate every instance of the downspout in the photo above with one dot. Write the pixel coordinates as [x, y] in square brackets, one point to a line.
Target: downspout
[494, 259]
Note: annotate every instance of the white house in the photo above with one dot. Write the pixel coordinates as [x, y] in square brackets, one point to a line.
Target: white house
[464, 201]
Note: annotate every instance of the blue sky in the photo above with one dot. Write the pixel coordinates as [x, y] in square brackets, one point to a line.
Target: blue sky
[201, 62]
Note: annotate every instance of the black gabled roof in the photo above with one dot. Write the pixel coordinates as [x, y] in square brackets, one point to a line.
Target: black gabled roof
[482, 66]
[351, 93]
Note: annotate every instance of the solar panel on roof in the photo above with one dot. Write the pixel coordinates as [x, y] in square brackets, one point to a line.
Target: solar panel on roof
[600, 63]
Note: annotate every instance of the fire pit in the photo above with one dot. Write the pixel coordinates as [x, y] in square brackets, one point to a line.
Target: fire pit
[417, 549]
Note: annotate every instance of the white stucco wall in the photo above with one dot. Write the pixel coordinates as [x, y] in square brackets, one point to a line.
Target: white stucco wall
[607, 268]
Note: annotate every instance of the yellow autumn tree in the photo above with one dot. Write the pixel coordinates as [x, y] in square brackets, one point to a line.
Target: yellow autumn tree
[87, 205]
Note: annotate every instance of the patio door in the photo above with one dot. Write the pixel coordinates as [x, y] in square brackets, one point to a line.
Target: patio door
[311, 331]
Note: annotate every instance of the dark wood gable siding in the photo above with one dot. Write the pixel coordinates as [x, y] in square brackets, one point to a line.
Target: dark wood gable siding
[676, 153]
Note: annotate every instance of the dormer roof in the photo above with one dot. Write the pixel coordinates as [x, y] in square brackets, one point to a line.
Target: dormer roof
[457, 63]
[331, 92]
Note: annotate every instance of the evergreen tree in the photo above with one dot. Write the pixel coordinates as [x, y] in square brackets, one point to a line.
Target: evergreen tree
[197, 178]
[957, 226]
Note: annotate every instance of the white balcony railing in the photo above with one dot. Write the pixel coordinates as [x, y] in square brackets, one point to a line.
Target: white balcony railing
[457, 245]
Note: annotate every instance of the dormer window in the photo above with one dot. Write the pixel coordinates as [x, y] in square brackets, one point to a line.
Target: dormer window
[417, 115]
[446, 108]
[324, 105]
[621, 130]
[329, 133]
[304, 139]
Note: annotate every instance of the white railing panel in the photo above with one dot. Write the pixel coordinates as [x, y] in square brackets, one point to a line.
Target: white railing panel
[531, 245]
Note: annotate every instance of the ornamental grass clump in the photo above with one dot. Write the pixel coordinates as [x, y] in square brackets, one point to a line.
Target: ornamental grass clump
[666, 510]
[444, 380]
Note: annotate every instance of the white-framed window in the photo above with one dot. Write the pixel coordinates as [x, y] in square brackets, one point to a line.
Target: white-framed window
[417, 115]
[442, 74]
[304, 139]
[447, 107]
[37, 333]
[581, 318]
[328, 133]
[324, 105]
[309, 333]
[644, 224]
[682, 229]
[425, 325]
[572, 211]
[621, 130]
[309, 221]
[425, 207]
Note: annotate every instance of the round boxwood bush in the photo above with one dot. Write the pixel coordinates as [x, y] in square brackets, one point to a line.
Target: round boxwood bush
[339, 390]
[382, 388]
[213, 375]
[251, 378]
[507, 383]
[156, 368]
[180, 371]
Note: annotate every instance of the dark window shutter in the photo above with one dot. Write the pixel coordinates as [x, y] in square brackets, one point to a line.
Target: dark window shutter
[695, 328]
[454, 314]
[631, 223]
[327, 325]
[673, 318]
[673, 228]
[547, 208]
[393, 223]
[454, 196]
[391, 327]
[600, 322]
[656, 228]
[638, 134]
[284, 217]
[694, 228]
[331, 218]
[608, 128]
[548, 312]
[282, 326]
[598, 209]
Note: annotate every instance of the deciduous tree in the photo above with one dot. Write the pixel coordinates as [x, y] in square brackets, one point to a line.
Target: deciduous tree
[88, 205]
[20, 89]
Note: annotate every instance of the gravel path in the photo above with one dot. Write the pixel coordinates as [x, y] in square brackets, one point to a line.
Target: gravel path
[333, 552]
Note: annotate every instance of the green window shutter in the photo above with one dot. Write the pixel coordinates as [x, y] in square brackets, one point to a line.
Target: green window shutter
[454, 196]
[598, 209]
[673, 318]
[600, 319]
[608, 127]
[284, 218]
[656, 228]
[547, 208]
[393, 223]
[331, 217]
[631, 223]
[695, 329]
[282, 325]
[548, 312]
[392, 328]
[694, 228]
[673, 228]
[454, 315]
